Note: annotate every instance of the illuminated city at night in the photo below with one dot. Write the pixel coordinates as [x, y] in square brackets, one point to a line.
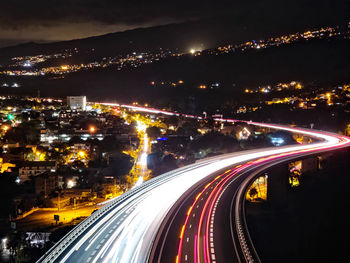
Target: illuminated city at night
[174, 132]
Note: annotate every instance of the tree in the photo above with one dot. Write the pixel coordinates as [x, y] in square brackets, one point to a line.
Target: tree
[172, 120]
[16, 244]
[75, 140]
[190, 128]
[110, 144]
[253, 192]
[213, 143]
[8, 189]
[25, 133]
[180, 131]
[121, 164]
[167, 163]
[153, 132]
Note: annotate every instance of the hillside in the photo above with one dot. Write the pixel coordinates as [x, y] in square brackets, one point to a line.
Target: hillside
[203, 33]
[321, 62]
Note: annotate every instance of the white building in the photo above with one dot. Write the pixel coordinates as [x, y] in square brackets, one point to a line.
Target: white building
[34, 168]
[77, 102]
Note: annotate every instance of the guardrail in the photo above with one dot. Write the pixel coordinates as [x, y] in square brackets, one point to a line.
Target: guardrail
[52, 254]
[55, 252]
[249, 252]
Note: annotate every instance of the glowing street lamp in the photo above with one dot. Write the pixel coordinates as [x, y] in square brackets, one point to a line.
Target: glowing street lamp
[5, 128]
[92, 129]
[10, 117]
[4, 242]
[70, 184]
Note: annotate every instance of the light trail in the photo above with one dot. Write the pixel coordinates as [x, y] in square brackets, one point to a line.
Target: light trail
[202, 251]
[188, 216]
[148, 215]
[125, 233]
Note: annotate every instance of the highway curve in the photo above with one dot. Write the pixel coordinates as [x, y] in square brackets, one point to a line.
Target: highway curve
[127, 229]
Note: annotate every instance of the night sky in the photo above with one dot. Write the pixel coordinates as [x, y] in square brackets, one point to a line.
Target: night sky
[55, 20]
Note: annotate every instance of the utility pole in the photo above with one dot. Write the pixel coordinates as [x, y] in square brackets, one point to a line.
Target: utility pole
[58, 200]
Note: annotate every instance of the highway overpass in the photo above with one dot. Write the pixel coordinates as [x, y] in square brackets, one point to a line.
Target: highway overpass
[142, 225]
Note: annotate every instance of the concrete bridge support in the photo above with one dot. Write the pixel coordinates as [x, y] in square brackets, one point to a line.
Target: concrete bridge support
[277, 186]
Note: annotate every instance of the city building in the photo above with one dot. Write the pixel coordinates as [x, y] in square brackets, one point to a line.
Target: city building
[77, 102]
[46, 183]
[35, 168]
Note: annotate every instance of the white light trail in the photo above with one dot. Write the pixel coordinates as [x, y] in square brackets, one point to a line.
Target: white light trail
[132, 240]
[143, 159]
[138, 233]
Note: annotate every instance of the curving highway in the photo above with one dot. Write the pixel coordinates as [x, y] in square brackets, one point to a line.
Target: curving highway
[178, 216]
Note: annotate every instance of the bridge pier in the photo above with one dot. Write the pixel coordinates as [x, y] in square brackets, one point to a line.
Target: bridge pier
[277, 186]
[278, 180]
[309, 165]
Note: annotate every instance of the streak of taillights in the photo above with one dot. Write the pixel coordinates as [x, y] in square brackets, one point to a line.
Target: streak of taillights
[212, 198]
[178, 258]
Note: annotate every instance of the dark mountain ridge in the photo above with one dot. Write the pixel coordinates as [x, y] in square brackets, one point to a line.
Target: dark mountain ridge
[203, 33]
[322, 62]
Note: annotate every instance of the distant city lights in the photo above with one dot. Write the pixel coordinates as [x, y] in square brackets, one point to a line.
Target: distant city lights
[27, 64]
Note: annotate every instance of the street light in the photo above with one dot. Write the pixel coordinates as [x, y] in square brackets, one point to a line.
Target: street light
[92, 129]
[4, 242]
[70, 184]
[10, 117]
